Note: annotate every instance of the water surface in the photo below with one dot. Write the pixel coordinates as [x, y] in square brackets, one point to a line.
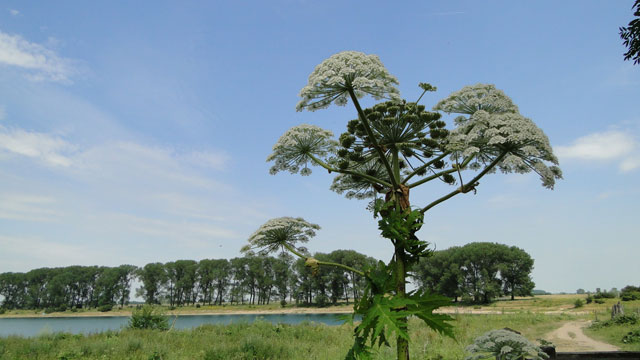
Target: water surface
[87, 325]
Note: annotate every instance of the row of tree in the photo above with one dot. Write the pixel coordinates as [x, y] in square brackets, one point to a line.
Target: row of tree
[477, 272]
[249, 279]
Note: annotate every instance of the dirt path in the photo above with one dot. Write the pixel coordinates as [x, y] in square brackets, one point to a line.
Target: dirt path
[570, 337]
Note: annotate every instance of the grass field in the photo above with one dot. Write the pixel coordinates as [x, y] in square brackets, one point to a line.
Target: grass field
[265, 341]
[533, 317]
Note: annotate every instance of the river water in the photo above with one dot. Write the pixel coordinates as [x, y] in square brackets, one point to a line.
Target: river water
[84, 325]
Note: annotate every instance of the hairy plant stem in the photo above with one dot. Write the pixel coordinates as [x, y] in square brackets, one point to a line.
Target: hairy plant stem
[325, 263]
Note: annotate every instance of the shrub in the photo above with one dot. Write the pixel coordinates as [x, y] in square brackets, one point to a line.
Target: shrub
[627, 319]
[589, 299]
[631, 337]
[198, 306]
[504, 344]
[50, 310]
[2, 311]
[148, 317]
[283, 303]
[599, 301]
[105, 308]
[604, 295]
[578, 303]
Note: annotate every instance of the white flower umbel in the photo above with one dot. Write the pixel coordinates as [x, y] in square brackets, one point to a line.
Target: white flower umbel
[280, 233]
[294, 149]
[349, 70]
[504, 345]
[472, 98]
[495, 127]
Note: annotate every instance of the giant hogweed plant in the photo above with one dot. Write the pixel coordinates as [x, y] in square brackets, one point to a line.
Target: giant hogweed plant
[386, 151]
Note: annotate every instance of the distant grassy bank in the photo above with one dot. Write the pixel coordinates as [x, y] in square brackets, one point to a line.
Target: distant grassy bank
[541, 303]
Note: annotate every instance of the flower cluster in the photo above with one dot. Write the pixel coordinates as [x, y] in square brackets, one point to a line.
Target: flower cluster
[504, 345]
[472, 98]
[349, 70]
[495, 127]
[277, 233]
[295, 147]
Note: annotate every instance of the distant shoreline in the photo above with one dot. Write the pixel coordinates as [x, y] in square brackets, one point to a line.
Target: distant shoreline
[117, 313]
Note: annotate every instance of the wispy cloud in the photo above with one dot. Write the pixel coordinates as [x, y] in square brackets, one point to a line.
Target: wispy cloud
[612, 146]
[14, 12]
[37, 61]
[25, 207]
[47, 148]
[44, 253]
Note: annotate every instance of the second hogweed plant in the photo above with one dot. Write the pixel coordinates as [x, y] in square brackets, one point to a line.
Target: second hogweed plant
[386, 151]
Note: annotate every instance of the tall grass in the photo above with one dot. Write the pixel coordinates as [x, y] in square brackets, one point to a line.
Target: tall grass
[261, 340]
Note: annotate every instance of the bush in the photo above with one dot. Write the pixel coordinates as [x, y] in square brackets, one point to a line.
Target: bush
[283, 303]
[504, 344]
[50, 310]
[105, 308]
[578, 303]
[599, 301]
[627, 319]
[631, 337]
[197, 306]
[604, 295]
[589, 299]
[2, 311]
[148, 317]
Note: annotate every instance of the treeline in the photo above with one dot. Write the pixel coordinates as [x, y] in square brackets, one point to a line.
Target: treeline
[477, 272]
[249, 279]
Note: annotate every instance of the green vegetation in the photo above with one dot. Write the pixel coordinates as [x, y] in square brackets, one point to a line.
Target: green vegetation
[250, 279]
[622, 330]
[262, 340]
[149, 317]
[388, 150]
[477, 272]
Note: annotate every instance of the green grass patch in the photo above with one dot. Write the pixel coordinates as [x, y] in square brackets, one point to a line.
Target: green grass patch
[261, 340]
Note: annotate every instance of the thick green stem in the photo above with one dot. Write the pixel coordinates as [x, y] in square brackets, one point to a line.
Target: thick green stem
[402, 345]
[325, 263]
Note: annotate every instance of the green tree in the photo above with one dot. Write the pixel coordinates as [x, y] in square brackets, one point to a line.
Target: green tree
[515, 272]
[153, 277]
[631, 36]
[388, 150]
[440, 273]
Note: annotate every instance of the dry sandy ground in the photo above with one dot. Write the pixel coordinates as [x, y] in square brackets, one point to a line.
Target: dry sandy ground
[570, 337]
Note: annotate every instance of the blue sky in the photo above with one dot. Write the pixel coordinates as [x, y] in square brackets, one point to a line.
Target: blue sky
[138, 133]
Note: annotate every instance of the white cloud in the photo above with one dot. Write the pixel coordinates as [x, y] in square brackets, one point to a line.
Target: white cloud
[25, 207]
[14, 12]
[41, 253]
[614, 146]
[39, 62]
[630, 163]
[47, 148]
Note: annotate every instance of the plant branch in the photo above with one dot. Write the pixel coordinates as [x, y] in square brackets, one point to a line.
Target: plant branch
[325, 263]
[421, 167]
[437, 175]
[373, 139]
[469, 186]
[349, 172]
